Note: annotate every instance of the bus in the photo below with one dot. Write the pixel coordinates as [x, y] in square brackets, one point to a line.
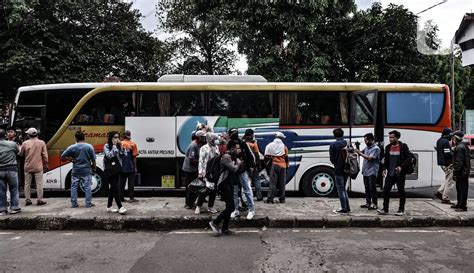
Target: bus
[162, 116]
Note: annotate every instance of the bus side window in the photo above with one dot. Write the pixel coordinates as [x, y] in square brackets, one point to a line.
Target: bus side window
[108, 108]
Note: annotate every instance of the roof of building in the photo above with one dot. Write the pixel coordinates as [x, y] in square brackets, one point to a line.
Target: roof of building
[466, 21]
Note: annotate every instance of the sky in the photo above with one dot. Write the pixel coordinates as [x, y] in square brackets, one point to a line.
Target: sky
[447, 16]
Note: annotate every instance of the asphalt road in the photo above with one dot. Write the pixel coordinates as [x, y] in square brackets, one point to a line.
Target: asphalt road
[249, 250]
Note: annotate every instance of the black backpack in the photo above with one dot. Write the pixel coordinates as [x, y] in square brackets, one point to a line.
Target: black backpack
[412, 166]
[213, 169]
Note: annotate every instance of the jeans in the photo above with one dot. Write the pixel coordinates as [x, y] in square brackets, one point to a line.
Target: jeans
[247, 190]
[114, 191]
[448, 182]
[341, 181]
[370, 189]
[277, 182]
[462, 187]
[86, 180]
[257, 183]
[389, 182]
[124, 177]
[226, 194]
[9, 178]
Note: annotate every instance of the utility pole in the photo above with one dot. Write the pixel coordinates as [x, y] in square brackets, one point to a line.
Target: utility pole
[453, 86]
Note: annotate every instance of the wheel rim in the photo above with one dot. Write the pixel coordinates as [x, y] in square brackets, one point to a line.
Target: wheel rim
[96, 184]
[322, 184]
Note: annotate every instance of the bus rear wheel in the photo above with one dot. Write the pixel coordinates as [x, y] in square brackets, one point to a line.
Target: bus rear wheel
[319, 182]
[98, 186]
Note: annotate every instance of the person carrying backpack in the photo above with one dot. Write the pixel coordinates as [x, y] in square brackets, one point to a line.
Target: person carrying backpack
[249, 138]
[397, 163]
[444, 154]
[337, 156]
[206, 153]
[370, 170]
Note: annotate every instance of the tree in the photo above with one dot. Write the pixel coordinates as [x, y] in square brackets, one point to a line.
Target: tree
[200, 36]
[75, 41]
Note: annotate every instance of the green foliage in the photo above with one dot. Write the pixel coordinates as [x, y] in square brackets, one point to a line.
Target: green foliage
[75, 41]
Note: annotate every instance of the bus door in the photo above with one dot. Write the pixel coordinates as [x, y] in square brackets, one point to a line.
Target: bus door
[364, 119]
[31, 116]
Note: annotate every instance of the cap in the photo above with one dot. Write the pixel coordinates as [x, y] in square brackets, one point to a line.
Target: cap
[32, 132]
[233, 131]
[248, 132]
[458, 134]
[446, 131]
[280, 135]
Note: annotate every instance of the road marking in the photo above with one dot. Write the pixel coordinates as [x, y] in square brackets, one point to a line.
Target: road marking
[67, 234]
[208, 232]
[15, 238]
[418, 231]
[6, 233]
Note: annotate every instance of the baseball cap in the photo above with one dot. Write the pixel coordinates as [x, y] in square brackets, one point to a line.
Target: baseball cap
[280, 135]
[32, 132]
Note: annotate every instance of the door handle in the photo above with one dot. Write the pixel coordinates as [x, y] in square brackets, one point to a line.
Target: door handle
[150, 139]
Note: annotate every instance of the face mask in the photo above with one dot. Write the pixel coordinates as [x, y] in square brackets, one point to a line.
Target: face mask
[216, 142]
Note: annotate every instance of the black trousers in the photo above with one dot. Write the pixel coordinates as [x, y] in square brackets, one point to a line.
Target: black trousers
[277, 182]
[389, 182]
[370, 189]
[131, 185]
[202, 197]
[114, 191]
[462, 187]
[224, 217]
[190, 196]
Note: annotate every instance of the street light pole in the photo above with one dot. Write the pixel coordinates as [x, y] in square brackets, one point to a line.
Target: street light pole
[453, 86]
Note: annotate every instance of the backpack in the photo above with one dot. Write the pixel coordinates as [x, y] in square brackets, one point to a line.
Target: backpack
[413, 161]
[213, 169]
[351, 166]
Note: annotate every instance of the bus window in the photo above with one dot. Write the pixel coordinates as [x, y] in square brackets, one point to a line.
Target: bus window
[414, 108]
[242, 104]
[32, 98]
[153, 104]
[188, 103]
[364, 113]
[107, 108]
[315, 108]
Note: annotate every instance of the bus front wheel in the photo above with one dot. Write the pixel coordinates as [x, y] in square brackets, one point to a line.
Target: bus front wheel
[319, 182]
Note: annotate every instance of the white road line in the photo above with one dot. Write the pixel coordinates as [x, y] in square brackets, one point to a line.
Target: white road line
[67, 234]
[208, 232]
[418, 231]
[15, 238]
[6, 233]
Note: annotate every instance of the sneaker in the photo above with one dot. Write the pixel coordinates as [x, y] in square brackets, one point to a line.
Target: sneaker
[460, 209]
[212, 210]
[41, 203]
[112, 210]
[214, 227]
[372, 207]
[15, 211]
[74, 206]
[197, 210]
[399, 213]
[235, 214]
[446, 201]
[365, 206]
[282, 200]
[250, 215]
[439, 195]
[227, 232]
[454, 206]
[382, 212]
[3, 213]
[91, 205]
[340, 211]
[269, 201]
[122, 210]
[28, 203]
[132, 200]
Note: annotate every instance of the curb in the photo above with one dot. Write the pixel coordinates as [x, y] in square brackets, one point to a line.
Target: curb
[129, 223]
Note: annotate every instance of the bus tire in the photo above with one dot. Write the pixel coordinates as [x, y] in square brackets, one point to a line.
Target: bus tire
[99, 184]
[319, 182]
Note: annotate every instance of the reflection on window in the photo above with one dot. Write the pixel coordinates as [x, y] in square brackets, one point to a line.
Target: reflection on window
[314, 108]
[188, 103]
[364, 108]
[414, 108]
[107, 108]
[242, 104]
[154, 104]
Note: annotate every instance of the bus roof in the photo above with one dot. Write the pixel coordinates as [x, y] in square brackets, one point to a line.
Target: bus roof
[278, 86]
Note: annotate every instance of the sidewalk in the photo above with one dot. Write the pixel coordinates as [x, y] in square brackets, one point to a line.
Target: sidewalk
[169, 214]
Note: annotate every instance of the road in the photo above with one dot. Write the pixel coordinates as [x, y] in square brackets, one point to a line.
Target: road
[249, 250]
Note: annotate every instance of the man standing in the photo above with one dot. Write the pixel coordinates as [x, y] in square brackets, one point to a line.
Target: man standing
[190, 165]
[370, 169]
[249, 138]
[83, 158]
[278, 152]
[445, 160]
[396, 161]
[337, 155]
[129, 167]
[36, 161]
[8, 175]
[461, 170]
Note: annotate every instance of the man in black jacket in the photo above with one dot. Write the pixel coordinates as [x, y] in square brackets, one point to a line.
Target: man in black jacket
[445, 160]
[461, 170]
[396, 161]
[337, 154]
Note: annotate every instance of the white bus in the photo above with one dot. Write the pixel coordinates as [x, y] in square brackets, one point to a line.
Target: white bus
[162, 116]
